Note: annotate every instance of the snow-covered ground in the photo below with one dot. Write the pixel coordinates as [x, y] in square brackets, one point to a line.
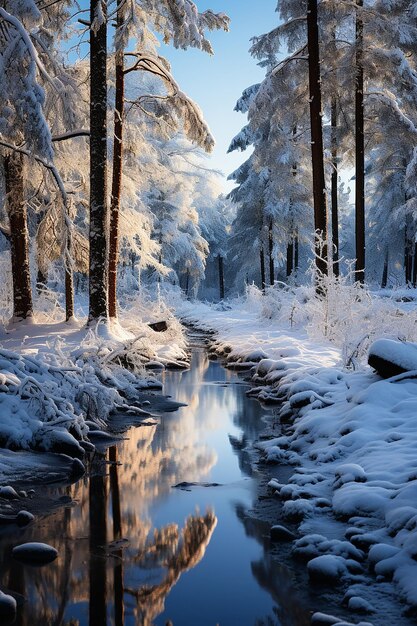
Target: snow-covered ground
[351, 436]
[61, 383]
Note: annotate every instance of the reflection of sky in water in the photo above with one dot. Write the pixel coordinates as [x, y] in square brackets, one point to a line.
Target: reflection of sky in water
[198, 566]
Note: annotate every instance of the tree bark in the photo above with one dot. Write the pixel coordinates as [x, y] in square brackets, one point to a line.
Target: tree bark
[408, 254]
[69, 289]
[262, 262]
[359, 152]
[317, 157]
[41, 281]
[334, 189]
[117, 171]
[221, 276]
[98, 165]
[271, 254]
[415, 266]
[384, 280]
[19, 235]
[290, 257]
[296, 251]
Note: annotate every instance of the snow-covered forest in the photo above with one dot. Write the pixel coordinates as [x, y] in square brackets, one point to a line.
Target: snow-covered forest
[131, 264]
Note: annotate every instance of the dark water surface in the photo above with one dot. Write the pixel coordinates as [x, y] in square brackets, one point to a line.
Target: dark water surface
[135, 551]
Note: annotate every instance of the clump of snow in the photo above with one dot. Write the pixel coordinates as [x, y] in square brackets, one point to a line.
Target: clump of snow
[327, 568]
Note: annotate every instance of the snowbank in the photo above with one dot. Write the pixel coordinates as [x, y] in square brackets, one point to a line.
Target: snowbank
[60, 382]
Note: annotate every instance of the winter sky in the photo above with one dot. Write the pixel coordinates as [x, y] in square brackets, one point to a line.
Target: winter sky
[217, 82]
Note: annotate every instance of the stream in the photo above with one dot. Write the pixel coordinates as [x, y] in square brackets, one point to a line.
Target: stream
[134, 550]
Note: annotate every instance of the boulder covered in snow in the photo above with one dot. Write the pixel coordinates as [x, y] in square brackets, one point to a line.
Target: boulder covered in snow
[35, 553]
[8, 493]
[281, 533]
[390, 358]
[327, 568]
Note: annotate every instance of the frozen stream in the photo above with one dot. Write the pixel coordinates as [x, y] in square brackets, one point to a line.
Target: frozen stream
[136, 551]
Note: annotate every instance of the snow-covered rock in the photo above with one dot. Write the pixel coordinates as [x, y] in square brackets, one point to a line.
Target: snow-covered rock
[390, 358]
[35, 553]
[281, 533]
[327, 568]
[7, 606]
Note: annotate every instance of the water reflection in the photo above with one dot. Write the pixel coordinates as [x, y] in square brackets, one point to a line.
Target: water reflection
[97, 495]
[134, 551]
[176, 553]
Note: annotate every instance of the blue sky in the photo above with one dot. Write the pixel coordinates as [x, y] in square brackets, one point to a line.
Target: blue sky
[216, 82]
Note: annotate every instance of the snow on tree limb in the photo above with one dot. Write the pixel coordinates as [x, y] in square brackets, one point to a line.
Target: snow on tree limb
[177, 102]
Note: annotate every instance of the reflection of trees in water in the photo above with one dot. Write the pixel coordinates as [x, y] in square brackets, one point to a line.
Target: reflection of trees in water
[118, 588]
[98, 543]
[74, 579]
[177, 553]
[275, 578]
[248, 414]
[114, 504]
[34, 585]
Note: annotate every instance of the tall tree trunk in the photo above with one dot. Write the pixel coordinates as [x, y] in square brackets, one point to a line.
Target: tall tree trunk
[415, 266]
[384, 280]
[290, 245]
[221, 276]
[41, 281]
[117, 171]
[19, 235]
[69, 287]
[296, 251]
[271, 254]
[262, 263]
[317, 157]
[334, 189]
[359, 152]
[98, 163]
[408, 256]
[290, 257]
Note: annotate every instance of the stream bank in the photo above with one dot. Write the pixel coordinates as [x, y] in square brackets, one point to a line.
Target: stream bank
[134, 550]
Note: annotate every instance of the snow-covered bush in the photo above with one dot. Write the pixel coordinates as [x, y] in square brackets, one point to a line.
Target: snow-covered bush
[348, 315]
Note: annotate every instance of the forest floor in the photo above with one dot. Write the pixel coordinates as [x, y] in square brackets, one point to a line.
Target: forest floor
[346, 440]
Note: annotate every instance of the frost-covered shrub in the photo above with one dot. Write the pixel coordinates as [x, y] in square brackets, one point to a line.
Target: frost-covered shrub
[348, 315]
